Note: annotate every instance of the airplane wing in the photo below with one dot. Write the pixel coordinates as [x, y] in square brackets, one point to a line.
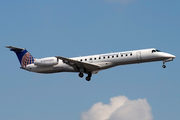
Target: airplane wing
[78, 64]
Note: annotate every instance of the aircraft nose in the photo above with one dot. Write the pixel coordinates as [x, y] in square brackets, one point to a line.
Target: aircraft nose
[173, 56]
[169, 55]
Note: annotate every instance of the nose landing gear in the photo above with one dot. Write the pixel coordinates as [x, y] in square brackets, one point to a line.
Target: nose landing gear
[164, 66]
[170, 59]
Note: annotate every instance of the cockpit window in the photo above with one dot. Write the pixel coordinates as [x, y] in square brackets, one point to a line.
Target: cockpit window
[158, 51]
[155, 51]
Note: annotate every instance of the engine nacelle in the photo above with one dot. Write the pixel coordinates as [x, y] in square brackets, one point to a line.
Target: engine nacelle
[51, 61]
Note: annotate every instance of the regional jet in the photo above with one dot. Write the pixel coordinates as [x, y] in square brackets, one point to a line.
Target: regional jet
[88, 64]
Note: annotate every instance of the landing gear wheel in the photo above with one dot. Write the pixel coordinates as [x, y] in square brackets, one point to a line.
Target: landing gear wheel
[164, 66]
[88, 78]
[81, 75]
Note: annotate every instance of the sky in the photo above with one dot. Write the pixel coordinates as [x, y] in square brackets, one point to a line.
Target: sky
[78, 28]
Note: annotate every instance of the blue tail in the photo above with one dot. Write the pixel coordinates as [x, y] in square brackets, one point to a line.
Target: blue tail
[25, 58]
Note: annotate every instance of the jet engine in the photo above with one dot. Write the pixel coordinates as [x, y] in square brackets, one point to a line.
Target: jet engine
[51, 61]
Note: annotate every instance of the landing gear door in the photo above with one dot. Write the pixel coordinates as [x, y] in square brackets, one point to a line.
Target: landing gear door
[138, 54]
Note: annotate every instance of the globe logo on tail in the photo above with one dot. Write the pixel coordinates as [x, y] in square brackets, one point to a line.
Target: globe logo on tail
[27, 59]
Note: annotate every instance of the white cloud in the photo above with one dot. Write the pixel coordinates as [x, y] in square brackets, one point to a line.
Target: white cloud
[121, 1]
[119, 108]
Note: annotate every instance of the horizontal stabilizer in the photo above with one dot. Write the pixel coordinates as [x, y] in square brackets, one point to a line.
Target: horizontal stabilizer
[15, 49]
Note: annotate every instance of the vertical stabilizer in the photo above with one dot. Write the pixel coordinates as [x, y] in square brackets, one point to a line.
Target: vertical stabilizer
[25, 58]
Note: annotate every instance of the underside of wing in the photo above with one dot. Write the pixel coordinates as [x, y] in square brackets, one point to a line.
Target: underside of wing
[78, 64]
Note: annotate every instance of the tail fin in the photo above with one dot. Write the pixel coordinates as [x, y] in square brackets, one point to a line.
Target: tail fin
[23, 55]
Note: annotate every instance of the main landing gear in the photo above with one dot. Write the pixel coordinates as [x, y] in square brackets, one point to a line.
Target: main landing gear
[81, 75]
[88, 78]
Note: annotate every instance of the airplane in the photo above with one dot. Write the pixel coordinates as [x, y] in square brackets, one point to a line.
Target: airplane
[88, 64]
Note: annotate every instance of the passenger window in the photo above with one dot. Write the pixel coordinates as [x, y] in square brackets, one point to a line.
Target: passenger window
[81, 60]
[90, 58]
[121, 55]
[113, 56]
[104, 57]
[131, 54]
[116, 55]
[108, 56]
[85, 59]
[99, 57]
[94, 58]
[126, 54]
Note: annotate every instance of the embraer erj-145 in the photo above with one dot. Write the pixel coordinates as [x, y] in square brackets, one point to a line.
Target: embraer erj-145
[88, 64]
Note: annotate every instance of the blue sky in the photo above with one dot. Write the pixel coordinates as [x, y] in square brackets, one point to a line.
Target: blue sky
[74, 28]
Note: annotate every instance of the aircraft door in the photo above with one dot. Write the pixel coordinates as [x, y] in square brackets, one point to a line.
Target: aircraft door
[139, 55]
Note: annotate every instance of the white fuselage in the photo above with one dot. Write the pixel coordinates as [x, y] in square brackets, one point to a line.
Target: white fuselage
[104, 61]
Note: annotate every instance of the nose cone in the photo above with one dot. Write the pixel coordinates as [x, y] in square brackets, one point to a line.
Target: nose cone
[167, 55]
[170, 56]
[173, 56]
